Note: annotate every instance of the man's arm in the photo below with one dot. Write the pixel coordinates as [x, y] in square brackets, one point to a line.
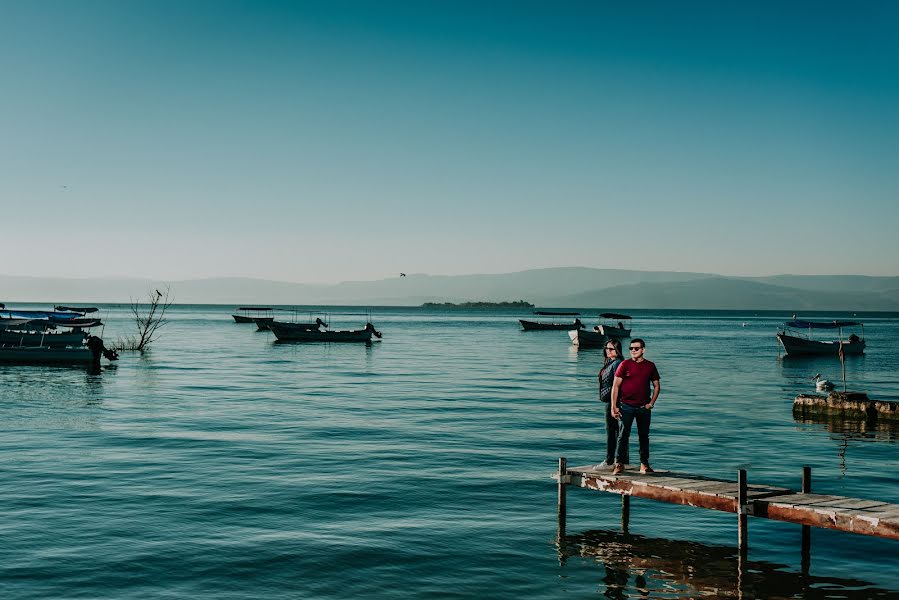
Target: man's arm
[614, 408]
[656, 388]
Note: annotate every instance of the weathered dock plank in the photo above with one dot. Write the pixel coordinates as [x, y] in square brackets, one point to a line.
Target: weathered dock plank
[671, 487]
[856, 515]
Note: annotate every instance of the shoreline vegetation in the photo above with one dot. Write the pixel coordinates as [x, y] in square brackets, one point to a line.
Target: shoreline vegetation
[515, 304]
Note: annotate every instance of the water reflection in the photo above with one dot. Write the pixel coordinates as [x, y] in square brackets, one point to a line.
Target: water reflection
[637, 566]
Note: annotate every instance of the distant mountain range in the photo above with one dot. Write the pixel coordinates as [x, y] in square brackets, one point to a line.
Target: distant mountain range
[555, 287]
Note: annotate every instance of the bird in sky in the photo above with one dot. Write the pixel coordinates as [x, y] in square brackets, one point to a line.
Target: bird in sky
[402, 274]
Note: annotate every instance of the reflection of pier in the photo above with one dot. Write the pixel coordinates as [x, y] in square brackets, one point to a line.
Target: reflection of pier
[856, 515]
[679, 569]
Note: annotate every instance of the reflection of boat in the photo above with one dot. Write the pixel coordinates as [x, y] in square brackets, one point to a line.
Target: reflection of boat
[584, 338]
[618, 330]
[250, 314]
[544, 326]
[795, 336]
[297, 332]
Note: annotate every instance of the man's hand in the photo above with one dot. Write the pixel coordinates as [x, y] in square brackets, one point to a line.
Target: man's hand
[615, 412]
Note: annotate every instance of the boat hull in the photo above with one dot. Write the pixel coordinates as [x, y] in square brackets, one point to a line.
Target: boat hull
[33, 338]
[45, 356]
[294, 332]
[797, 346]
[262, 323]
[584, 338]
[536, 326]
[242, 319]
[614, 332]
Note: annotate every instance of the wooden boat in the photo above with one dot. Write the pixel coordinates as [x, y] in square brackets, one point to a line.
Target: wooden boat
[263, 324]
[295, 332]
[44, 355]
[584, 338]
[251, 313]
[795, 337]
[552, 326]
[48, 338]
[618, 330]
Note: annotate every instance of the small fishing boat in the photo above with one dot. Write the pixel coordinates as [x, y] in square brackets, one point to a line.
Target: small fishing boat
[552, 326]
[40, 333]
[796, 338]
[35, 337]
[298, 332]
[584, 338]
[263, 324]
[253, 314]
[618, 330]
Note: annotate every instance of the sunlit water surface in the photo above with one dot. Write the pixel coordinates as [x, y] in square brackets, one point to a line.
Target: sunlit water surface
[223, 465]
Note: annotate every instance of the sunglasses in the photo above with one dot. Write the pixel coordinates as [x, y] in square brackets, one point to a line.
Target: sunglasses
[611, 348]
[635, 348]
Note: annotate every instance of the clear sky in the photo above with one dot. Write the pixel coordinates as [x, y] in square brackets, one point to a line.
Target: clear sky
[330, 141]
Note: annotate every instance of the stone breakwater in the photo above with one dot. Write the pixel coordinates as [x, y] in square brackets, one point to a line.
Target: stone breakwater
[849, 403]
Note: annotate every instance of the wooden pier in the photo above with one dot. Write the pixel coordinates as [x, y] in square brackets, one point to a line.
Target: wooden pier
[855, 515]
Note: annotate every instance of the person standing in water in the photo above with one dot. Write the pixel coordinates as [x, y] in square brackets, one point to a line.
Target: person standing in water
[632, 401]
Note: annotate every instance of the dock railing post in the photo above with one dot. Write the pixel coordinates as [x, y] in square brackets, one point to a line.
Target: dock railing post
[563, 472]
[806, 530]
[742, 512]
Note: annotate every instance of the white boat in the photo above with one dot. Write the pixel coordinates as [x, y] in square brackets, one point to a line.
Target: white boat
[296, 332]
[796, 338]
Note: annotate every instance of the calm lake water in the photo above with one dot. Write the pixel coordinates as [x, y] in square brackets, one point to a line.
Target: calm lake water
[223, 465]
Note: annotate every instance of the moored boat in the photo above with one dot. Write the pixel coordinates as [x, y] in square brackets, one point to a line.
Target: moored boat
[253, 314]
[796, 338]
[618, 330]
[584, 338]
[551, 326]
[296, 332]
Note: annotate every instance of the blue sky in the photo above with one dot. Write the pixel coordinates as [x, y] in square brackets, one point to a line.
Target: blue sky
[321, 142]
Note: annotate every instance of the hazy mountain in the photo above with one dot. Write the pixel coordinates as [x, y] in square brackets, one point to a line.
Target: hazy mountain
[558, 287]
[734, 293]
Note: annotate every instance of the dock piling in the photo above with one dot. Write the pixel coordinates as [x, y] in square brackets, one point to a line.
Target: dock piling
[742, 512]
[805, 562]
[563, 481]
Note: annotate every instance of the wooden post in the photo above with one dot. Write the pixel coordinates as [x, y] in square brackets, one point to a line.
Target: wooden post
[805, 561]
[563, 472]
[742, 505]
[625, 512]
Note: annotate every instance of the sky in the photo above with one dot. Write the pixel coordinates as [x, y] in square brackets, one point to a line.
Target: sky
[331, 141]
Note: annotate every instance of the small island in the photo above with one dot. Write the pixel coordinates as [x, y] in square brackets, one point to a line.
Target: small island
[516, 304]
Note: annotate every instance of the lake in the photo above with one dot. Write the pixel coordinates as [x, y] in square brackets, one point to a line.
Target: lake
[223, 465]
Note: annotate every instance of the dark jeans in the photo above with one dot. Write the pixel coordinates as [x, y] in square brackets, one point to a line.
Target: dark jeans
[629, 414]
[612, 427]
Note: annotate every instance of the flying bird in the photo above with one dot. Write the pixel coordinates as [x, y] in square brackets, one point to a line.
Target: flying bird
[402, 274]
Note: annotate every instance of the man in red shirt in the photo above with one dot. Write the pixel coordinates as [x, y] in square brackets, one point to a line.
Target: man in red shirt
[632, 401]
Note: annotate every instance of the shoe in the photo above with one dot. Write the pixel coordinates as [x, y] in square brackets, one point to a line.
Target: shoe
[601, 466]
[644, 469]
[618, 469]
